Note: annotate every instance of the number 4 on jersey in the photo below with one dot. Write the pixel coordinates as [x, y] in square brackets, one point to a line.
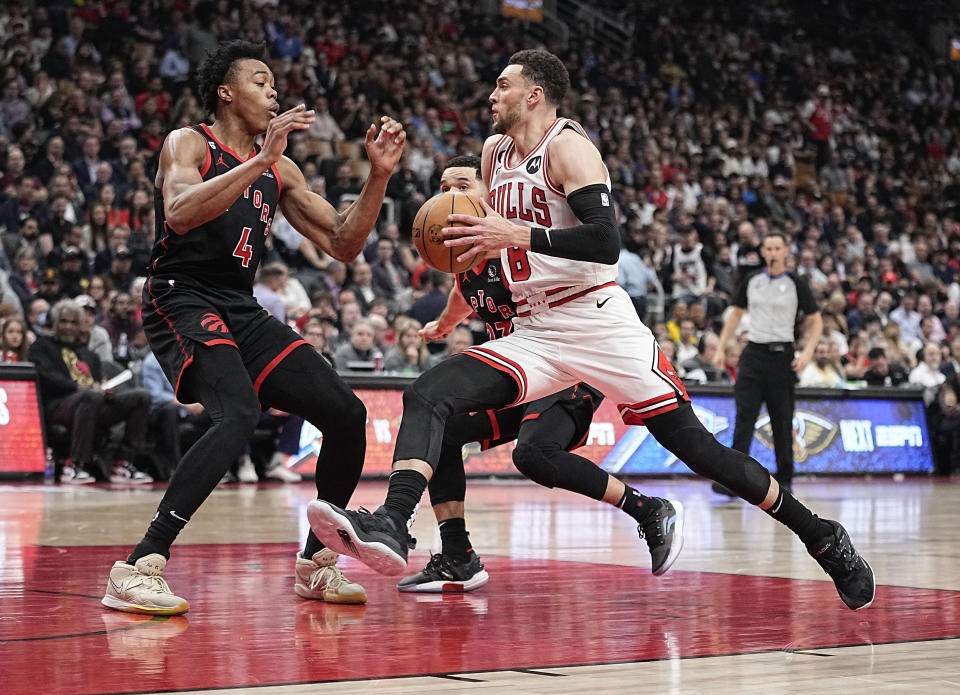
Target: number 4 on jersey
[244, 250]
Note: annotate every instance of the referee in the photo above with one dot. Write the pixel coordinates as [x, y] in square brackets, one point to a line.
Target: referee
[768, 367]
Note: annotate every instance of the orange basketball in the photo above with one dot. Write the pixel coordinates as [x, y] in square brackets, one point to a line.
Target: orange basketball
[428, 228]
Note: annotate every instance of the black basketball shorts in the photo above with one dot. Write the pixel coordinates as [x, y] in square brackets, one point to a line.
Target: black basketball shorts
[180, 316]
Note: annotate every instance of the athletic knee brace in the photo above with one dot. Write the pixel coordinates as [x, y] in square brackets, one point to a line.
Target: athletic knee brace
[535, 464]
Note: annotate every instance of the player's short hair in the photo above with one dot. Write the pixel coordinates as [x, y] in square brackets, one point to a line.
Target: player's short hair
[544, 69]
[465, 160]
[776, 234]
[218, 67]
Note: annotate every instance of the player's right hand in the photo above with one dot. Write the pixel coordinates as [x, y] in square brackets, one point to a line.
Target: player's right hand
[275, 141]
[432, 331]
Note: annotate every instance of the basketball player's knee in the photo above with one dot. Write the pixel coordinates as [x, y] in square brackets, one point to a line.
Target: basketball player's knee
[534, 464]
[241, 419]
[354, 412]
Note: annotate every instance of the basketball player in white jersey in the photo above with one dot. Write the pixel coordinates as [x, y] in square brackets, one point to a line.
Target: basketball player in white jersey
[553, 220]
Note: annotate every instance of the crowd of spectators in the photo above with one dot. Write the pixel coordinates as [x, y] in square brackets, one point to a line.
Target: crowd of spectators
[836, 125]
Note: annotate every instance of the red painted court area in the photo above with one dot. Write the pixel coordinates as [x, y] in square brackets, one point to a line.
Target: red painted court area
[247, 627]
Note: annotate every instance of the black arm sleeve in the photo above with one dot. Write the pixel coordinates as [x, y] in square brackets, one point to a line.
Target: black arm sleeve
[596, 240]
[740, 298]
[806, 302]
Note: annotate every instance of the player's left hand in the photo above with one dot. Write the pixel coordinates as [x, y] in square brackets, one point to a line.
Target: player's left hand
[487, 234]
[800, 362]
[384, 151]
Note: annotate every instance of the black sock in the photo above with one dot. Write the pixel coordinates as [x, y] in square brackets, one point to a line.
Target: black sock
[796, 517]
[163, 530]
[312, 546]
[403, 495]
[636, 505]
[454, 539]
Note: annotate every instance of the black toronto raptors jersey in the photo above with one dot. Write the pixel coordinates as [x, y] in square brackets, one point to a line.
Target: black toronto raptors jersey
[224, 252]
[486, 290]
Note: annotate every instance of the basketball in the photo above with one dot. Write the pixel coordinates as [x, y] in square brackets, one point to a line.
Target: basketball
[428, 228]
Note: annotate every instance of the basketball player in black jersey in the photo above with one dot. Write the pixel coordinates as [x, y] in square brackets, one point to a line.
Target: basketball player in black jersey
[217, 194]
[546, 430]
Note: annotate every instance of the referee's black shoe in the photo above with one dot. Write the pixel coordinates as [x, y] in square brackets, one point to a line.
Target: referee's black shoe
[663, 531]
[851, 574]
[375, 539]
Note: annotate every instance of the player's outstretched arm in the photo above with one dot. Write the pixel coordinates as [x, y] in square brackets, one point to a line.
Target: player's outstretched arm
[188, 200]
[456, 311]
[576, 165]
[342, 235]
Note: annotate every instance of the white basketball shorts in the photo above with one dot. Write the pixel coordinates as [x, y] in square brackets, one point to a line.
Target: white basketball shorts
[596, 338]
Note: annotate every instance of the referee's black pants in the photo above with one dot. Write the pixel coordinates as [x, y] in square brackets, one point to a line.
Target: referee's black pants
[765, 376]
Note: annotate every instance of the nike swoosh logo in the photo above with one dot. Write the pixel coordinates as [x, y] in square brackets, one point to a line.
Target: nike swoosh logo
[177, 516]
[600, 304]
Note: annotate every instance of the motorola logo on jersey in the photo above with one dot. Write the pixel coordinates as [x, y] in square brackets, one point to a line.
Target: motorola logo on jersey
[213, 323]
[516, 200]
[533, 166]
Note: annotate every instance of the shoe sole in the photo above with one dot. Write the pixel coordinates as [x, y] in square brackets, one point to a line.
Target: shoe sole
[337, 533]
[677, 544]
[127, 607]
[305, 593]
[446, 586]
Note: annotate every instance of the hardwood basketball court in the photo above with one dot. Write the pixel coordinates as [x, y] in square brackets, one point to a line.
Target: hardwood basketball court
[571, 605]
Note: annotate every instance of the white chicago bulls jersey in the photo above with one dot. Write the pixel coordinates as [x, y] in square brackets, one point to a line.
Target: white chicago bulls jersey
[521, 191]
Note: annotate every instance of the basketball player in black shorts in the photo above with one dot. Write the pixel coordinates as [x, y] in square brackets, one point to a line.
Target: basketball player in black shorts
[217, 194]
[547, 431]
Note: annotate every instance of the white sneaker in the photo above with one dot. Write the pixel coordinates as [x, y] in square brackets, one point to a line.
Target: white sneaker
[247, 472]
[320, 580]
[75, 476]
[124, 472]
[140, 588]
[277, 470]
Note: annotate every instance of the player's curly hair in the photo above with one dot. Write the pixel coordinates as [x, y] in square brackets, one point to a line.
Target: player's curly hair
[544, 69]
[217, 68]
[465, 160]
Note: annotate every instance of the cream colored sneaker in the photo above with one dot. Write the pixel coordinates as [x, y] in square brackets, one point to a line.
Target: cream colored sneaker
[319, 579]
[140, 588]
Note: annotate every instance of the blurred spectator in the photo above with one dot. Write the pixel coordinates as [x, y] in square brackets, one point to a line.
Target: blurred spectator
[951, 365]
[821, 373]
[124, 329]
[700, 368]
[70, 378]
[91, 334]
[360, 354]
[270, 278]
[635, 277]
[731, 359]
[927, 374]
[882, 372]
[946, 430]
[907, 318]
[14, 345]
[428, 307]
[166, 415]
[856, 362]
[408, 355]
[460, 339]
